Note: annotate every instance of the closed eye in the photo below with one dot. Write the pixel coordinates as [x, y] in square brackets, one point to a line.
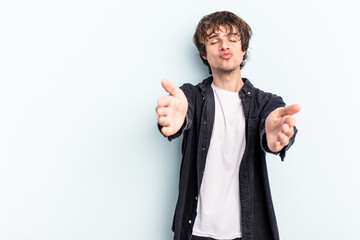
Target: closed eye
[213, 42]
[233, 37]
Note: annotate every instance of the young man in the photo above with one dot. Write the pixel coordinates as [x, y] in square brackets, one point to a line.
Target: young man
[227, 126]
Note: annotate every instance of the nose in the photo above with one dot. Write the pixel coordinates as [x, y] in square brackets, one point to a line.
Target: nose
[224, 46]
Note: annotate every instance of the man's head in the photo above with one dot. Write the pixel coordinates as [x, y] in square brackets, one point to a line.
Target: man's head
[223, 24]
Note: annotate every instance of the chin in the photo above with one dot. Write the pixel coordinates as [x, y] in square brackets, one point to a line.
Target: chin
[228, 70]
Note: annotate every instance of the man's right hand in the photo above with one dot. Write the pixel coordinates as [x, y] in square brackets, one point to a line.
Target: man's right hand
[171, 109]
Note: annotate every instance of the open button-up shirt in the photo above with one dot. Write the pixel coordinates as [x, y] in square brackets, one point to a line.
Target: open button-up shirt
[258, 216]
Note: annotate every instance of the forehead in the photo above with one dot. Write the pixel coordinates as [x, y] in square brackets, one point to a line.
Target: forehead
[222, 30]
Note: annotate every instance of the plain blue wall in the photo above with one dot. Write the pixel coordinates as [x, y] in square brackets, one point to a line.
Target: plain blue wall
[80, 154]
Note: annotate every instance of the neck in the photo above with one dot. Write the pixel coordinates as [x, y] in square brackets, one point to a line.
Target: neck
[230, 81]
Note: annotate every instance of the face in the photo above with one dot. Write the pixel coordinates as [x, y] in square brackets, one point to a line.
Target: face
[223, 51]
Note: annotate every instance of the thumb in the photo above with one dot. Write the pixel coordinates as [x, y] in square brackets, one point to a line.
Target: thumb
[169, 87]
[289, 110]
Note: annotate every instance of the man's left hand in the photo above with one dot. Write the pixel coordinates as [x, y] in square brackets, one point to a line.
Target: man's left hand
[279, 127]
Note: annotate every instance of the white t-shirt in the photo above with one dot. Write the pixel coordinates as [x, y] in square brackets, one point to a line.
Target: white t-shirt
[218, 210]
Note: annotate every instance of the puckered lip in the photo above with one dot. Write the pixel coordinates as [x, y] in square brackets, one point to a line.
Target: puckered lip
[226, 55]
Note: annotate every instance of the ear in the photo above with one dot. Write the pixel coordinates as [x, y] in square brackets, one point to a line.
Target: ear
[203, 57]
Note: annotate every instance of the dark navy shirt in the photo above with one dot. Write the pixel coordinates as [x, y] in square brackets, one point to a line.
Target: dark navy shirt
[258, 216]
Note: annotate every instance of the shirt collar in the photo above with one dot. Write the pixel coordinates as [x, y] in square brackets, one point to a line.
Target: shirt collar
[248, 88]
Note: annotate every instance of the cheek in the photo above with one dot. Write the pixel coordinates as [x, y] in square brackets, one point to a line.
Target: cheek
[208, 57]
[240, 50]
[211, 58]
[241, 53]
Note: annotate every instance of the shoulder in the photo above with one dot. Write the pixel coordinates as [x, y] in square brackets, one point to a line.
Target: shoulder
[264, 96]
[261, 102]
[258, 95]
[190, 89]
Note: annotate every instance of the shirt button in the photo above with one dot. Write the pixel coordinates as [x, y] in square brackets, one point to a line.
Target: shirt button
[205, 122]
[195, 198]
[203, 149]
[249, 93]
[189, 221]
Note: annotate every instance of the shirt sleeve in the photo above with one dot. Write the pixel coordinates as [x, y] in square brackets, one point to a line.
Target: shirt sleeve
[188, 90]
[271, 104]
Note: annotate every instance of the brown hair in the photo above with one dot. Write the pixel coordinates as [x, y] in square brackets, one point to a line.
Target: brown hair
[213, 22]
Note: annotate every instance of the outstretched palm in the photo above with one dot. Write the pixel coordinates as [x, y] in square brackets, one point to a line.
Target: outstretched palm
[171, 109]
[279, 126]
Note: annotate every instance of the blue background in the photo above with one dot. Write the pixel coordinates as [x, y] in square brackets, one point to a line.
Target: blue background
[80, 154]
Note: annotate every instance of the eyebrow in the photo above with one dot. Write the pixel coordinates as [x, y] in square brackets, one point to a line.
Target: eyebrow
[213, 36]
[228, 34]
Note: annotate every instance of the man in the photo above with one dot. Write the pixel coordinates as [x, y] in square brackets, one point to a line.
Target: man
[227, 126]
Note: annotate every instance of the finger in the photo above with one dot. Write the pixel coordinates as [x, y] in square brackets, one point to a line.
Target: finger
[163, 121]
[291, 121]
[285, 128]
[289, 110]
[164, 101]
[283, 139]
[290, 132]
[169, 87]
[166, 131]
[162, 111]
